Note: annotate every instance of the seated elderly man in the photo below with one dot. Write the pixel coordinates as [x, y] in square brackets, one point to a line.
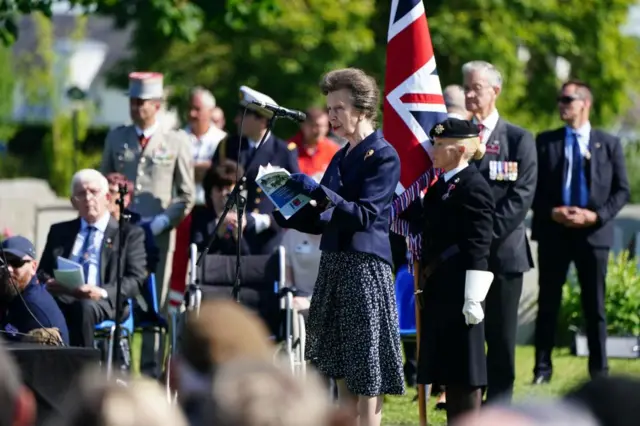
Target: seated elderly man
[93, 241]
[25, 305]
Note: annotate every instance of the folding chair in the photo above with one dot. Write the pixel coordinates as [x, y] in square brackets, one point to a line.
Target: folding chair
[106, 330]
[152, 320]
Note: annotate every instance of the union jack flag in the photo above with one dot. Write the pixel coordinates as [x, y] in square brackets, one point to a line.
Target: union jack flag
[413, 103]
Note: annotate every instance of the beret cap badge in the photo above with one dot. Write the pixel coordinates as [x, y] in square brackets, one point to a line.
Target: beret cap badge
[439, 129]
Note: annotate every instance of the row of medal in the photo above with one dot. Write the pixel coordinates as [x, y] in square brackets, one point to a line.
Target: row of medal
[503, 170]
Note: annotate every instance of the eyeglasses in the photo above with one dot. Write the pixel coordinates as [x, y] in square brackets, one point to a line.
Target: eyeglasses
[83, 196]
[567, 99]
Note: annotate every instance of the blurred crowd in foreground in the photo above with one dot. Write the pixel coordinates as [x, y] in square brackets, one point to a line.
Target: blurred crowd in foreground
[228, 374]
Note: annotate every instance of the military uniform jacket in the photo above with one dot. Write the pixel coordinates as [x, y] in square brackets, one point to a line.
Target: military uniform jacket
[510, 167]
[457, 213]
[276, 152]
[163, 173]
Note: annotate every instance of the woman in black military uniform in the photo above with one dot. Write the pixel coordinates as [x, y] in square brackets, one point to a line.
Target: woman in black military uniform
[457, 228]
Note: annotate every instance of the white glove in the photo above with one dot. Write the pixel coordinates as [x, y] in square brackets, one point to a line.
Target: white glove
[473, 313]
[159, 224]
[476, 287]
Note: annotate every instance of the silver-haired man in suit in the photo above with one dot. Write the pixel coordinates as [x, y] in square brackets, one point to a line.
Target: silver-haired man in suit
[160, 164]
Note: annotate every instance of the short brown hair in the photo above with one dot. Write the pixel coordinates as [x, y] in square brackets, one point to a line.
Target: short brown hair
[219, 176]
[117, 179]
[583, 88]
[365, 95]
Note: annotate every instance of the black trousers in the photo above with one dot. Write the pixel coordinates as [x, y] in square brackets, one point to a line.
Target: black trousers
[411, 362]
[82, 316]
[500, 328]
[554, 258]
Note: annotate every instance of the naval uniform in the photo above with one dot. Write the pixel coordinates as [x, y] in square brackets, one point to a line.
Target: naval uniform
[275, 152]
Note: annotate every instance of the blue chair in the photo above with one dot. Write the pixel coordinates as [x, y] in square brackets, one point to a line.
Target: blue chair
[405, 300]
[156, 323]
[107, 330]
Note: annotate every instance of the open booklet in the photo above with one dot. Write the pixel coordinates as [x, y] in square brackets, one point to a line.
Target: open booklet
[274, 181]
[70, 274]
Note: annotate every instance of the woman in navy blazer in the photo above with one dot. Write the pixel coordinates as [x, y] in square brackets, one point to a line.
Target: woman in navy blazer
[353, 321]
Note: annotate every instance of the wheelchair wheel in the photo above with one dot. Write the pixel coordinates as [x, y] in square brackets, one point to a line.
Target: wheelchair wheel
[301, 344]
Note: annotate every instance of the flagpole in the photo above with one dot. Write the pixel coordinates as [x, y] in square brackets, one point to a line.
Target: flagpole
[423, 390]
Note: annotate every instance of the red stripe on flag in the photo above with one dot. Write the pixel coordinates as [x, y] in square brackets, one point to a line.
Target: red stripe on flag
[407, 52]
[421, 98]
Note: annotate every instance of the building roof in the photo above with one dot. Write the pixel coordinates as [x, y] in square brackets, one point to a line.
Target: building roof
[100, 30]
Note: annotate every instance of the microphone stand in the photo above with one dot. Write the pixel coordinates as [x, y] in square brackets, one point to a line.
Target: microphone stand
[238, 201]
[122, 191]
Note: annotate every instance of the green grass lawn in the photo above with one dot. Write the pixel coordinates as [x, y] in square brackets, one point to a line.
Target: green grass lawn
[569, 371]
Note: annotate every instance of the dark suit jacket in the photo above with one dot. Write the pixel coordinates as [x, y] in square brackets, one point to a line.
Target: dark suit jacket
[60, 243]
[510, 251]
[278, 153]
[608, 187]
[203, 222]
[458, 212]
[359, 187]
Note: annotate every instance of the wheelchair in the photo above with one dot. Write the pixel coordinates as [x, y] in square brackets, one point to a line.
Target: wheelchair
[263, 289]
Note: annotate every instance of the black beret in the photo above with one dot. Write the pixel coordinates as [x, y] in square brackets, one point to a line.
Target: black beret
[455, 129]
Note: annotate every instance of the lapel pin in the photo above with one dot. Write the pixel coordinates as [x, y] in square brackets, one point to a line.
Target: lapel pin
[598, 145]
[368, 154]
[587, 156]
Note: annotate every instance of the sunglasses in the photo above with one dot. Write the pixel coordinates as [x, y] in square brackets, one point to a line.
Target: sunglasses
[16, 262]
[567, 99]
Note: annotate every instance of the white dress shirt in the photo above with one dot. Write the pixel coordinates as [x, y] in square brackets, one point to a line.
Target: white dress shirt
[202, 149]
[93, 277]
[583, 133]
[489, 124]
[451, 173]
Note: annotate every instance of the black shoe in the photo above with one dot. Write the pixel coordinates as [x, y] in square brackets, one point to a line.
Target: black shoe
[541, 379]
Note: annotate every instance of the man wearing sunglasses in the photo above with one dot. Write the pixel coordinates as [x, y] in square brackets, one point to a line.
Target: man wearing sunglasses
[582, 185]
[25, 304]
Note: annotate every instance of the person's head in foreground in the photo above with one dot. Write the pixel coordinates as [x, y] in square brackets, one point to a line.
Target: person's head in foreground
[455, 143]
[224, 330]
[17, 404]
[352, 103]
[90, 194]
[101, 402]
[614, 401]
[20, 256]
[261, 393]
[530, 413]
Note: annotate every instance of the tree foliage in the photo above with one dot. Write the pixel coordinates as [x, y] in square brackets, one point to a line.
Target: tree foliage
[41, 87]
[283, 46]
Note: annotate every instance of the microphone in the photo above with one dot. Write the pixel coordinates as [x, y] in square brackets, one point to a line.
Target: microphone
[279, 111]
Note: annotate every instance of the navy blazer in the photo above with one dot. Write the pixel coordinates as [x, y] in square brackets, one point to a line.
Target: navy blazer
[608, 187]
[275, 152]
[360, 187]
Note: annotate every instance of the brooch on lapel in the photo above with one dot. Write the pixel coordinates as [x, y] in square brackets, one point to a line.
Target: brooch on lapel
[368, 154]
[108, 243]
[451, 187]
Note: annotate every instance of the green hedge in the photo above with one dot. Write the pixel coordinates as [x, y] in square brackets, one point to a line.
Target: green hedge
[622, 300]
